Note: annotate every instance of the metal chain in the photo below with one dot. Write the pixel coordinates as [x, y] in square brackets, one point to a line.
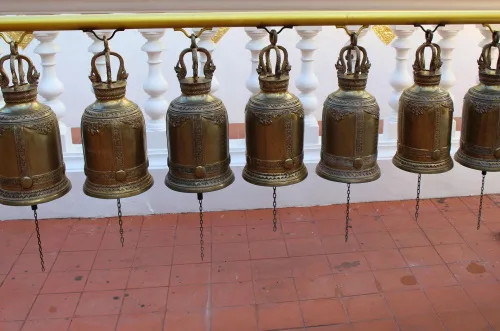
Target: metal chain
[120, 221]
[275, 220]
[37, 228]
[202, 249]
[417, 207]
[481, 201]
[347, 219]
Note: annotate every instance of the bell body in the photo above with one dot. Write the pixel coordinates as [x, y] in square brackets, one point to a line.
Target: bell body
[198, 143]
[114, 144]
[274, 124]
[480, 134]
[32, 170]
[425, 120]
[350, 137]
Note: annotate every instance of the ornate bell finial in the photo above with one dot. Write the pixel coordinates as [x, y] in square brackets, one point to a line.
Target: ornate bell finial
[425, 119]
[350, 124]
[274, 123]
[197, 133]
[114, 137]
[34, 172]
[479, 140]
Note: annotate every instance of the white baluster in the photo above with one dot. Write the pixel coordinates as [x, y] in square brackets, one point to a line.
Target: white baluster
[155, 86]
[96, 47]
[487, 38]
[207, 43]
[255, 45]
[49, 86]
[400, 78]
[447, 43]
[307, 82]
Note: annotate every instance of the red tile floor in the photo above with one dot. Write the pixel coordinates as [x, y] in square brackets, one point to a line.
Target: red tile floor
[393, 274]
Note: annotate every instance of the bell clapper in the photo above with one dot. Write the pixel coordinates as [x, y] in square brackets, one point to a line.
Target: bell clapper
[481, 201]
[347, 218]
[202, 249]
[120, 221]
[417, 206]
[37, 228]
[275, 220]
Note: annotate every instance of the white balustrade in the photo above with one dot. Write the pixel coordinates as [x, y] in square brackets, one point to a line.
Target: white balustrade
[49, 86]
[307, 82]
[448, 44]
[400, 78]
[155, 86]
[255, 45]
[207, 43]
[96, 47]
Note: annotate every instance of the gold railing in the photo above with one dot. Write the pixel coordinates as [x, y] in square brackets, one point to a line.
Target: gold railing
[241, 19]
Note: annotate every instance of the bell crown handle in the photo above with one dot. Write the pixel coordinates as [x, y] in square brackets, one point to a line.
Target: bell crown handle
[95, 76]
[264, 67]
[208, 68]
[485, 60]
[345, 61]
[19, 78]
[435, 62]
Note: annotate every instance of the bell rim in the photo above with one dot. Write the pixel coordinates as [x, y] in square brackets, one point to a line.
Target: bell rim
[447, 166]
[461, 158]
[200, 189]
[302, 171]
[377, 173]
[65, 182]
[94, 194]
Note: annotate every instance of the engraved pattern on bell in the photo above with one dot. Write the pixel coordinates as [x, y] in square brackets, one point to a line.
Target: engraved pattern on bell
[274, 123]
[114, 138]
[197, 131]
[29, 131]
[350, 122]
[480, 134]
[425, 118]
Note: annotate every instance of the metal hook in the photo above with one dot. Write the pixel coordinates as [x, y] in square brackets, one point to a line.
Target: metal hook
[429, 34]
[278, 32]
[17, 42]
[489, 28]
[349, 32]
[104, 37]
[190, 35]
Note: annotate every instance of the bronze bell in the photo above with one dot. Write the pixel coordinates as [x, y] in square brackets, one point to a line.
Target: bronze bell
[480, 134]
[32, 169]
[425, 119]
[197, 132]
[274, 124]
[114, 138]
[350, 123]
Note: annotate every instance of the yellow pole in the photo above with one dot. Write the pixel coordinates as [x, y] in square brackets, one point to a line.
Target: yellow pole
[241, 19]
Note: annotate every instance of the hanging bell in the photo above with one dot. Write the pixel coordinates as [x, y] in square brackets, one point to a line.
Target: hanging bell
[114, 138]
[425, 119]
[274, 124]
[197, 133]
[32, 169]
[350, 124]
[480, 134]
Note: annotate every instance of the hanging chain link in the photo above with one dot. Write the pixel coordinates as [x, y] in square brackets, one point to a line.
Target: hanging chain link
[417, 207]
[347, 218]
[202, 249]
[37, 228]
[120, 221]
[275, 220]
[481, 201]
